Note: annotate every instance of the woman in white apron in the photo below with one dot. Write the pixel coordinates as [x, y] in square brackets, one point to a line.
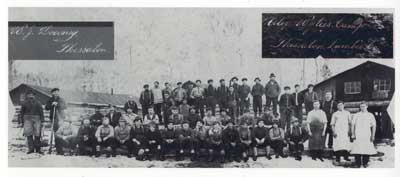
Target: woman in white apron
[363, 134]
[341, 123]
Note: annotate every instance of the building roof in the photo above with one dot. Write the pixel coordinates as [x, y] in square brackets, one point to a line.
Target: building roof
[80, 97]
[367, 63]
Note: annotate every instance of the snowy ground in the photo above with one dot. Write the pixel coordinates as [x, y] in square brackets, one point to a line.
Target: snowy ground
[17, 157]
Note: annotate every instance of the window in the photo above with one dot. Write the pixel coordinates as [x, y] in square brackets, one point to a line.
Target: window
[352, 87]
[382, 85]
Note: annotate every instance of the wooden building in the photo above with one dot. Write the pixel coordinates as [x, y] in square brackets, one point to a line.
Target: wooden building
[371, 82]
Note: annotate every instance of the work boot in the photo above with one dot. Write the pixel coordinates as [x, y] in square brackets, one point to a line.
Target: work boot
[268, 156]
[254, 158]
[30, 151]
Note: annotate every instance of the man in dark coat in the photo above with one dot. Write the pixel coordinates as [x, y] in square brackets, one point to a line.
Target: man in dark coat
[192, 118]
[198, 96]
[169, 141]
[154, 140]
[272, 91]
[131, 103]
[210, 94]
[232, 142]
[261, 139]
[222, 93]
[185, 141]
[309, 98]
[138, 136]
[298, 103]
[114, 116]
[244, 96]
[146, 99]
[32, 115]
[59, 105]
[97, 118]
[257, 92]
[86, 142]
[286, 103]
[329, 106]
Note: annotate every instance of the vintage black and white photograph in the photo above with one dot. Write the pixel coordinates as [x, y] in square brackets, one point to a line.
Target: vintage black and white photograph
[201, 88]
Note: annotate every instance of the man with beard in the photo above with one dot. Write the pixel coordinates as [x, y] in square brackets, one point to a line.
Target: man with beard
[57, 104]
[32, 115]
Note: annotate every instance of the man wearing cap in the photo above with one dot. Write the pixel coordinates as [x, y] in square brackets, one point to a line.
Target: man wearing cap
[233, 101]
[97, 118]
[216, 145]
[222, 94]
[33, 117]
[146, 99]
[169, 141]
[244, 96]
[257, 92]
[210, 94]
[189, 90]
[286, 103]
[272, 92]
[122, 137]
[296, 136]
[105, 137]
[86, 140]
[298, 103]
[158, 99]
[232, 142]
[65, 137]
[234, 84]
[138, 136]
[167, 105]
[198, 95]
[167, 90]
[192, 118]
[267, 117]
[185, 141]
[179, 94]
[261, 139]
[113, 115]
[59, 105]
[309, 97]
[176, 118]
[329, 106]
[131, 104]
[153, 138]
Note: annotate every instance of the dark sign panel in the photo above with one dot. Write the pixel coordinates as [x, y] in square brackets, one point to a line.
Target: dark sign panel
[61, 40]
[290, 35]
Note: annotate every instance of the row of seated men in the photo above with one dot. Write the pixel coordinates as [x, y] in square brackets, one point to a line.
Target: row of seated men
[218, 140]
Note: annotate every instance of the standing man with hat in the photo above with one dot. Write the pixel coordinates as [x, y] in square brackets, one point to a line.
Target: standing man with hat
[32, 115]
[179, 94]
[298, 103]
[244, 96]
[198, 95]
[329, 106]
[286, 103]
[222, 93]
[158, 99]
[272, 91]
[146, 99]
[131, 104]
[257, 92]
[56, 105]
[211, 96]
[309, 97]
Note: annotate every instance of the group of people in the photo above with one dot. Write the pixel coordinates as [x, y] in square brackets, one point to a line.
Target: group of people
[184, 122]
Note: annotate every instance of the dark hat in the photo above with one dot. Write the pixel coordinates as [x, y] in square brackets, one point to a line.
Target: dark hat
[235, 78]
[146, 86]
[259, 120]
[179, 83]
[54, 89]
[222, 110]
[272, 75]
[174, 108]
[200, 121]
[310, 85]
[121, 120]
[185, 122]
[340, 102]
[364, 102]
[297, 85]
[30, 92]
[210, 80]
[138, 118]
[156, 82]
[166, 83]
[286, 88]
[198, 80]
[257, 78]
[244, 79]
[221, 80]
[275, 120]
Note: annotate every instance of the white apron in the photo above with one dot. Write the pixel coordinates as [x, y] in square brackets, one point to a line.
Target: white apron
[362, 144]
[341, 121]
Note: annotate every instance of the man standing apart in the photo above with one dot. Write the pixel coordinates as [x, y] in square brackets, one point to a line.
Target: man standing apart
[272, 91]
[32, 115]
